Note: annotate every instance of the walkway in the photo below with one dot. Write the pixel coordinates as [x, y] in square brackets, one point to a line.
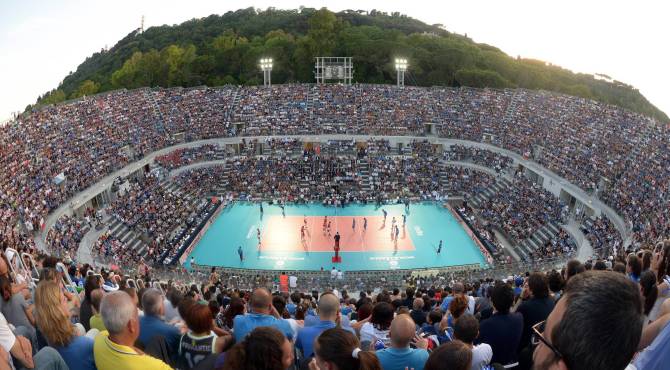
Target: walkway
[103, 184]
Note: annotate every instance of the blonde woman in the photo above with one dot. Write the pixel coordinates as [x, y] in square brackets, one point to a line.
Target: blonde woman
[53, 321]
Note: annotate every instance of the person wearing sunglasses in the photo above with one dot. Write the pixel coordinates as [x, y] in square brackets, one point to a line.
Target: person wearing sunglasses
[597, 324]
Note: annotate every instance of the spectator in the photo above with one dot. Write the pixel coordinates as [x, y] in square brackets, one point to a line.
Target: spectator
[96, 321]
[86, 309]
[235, 307]
[338, 349]
[572, 268]
[114, 349]
[649, 291]
[200, 343]
[417, 313]
[171, 303]
[53, 315]
[264, 348]
[399, 355]
[537, 305]
[454, 355]
[502, 331]
[467, 330]
[377, 329]
[633, 267]
[15, 308]
[598, 306]
[329, 316]
[262, 314]
[152, 324]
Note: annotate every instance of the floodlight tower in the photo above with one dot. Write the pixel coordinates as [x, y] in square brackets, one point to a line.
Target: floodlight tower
[266, 66]
[400, 67]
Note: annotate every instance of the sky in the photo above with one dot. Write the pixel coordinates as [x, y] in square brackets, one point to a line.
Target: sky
[41, 41]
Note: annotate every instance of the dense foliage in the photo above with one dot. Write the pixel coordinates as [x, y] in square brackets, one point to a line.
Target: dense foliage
[225, 49]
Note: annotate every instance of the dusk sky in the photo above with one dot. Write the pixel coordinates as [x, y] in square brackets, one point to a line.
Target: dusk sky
[42, 41]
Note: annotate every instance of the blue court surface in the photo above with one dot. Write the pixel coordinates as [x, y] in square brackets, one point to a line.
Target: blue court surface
[284, 247]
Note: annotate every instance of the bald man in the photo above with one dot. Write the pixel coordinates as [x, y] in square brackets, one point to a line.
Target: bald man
[262, 313]
[400, 355]
[329, 315]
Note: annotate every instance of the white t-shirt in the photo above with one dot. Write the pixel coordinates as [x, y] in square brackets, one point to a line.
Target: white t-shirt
[7, 338]
[171, 313]
[481, 356]
[293, 281]
[471, 305]
[370, 334]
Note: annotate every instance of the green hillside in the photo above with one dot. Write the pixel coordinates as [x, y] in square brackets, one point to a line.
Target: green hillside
[225, 49]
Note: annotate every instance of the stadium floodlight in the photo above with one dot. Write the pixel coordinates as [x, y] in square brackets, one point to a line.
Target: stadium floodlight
[400, 67]
[266, 66]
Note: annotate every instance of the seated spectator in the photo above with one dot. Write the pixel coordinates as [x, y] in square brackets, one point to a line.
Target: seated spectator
[417, 313]
[502, 331]
[53, 321]
[171, 302]
[96, 321]
[598, 307]
[338, 349]
[200, 342]
[152, 324]
[329, 315]
[399, 356]
[114, 349]
[633, 267]
[262, 314]
[654, 343]
[467, 330]
[535, 308]
[235, 308]
[86, 309]
[15, 308]
[263, 348]
[377, 329]
[454, 355]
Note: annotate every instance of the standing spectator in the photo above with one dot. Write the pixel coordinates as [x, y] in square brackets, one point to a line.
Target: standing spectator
[114, 349]
[467, 330]
[598, 307]
[502, 331]
[338, 349]
[265, 348]
[262, 314]
[54, 323]
[454, 355]
[399, 355]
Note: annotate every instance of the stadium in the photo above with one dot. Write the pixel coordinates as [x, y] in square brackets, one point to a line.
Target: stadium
[367, 206]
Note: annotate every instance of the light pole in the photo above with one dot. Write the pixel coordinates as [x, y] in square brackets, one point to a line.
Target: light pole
[400, 67]
[266, 66]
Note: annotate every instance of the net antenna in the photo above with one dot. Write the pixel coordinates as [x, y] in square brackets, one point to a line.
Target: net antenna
[333, 69]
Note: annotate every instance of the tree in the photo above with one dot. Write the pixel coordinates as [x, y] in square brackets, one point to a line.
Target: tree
[86, 88]
[481, 78]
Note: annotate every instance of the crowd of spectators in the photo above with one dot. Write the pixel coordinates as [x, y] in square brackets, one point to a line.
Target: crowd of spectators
[59, 150]
[522, 209]
[604, 314]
